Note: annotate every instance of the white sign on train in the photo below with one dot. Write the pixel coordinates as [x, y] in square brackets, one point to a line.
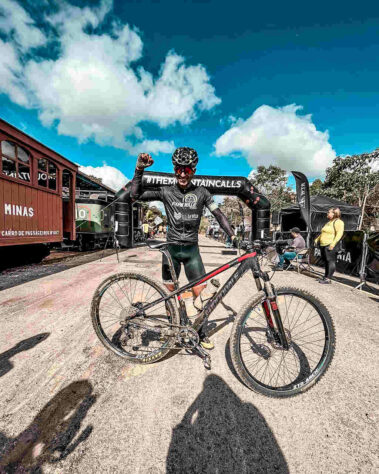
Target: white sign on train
[15, 210]
[28, 233]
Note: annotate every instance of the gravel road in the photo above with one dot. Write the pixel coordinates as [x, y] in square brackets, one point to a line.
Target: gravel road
[67, 405]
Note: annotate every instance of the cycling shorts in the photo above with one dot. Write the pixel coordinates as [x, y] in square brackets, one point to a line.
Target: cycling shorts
[189, 256]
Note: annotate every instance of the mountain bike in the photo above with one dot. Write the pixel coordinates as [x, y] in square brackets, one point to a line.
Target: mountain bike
[281, 343]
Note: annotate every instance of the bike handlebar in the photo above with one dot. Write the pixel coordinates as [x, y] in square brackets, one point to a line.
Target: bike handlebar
[258, 244]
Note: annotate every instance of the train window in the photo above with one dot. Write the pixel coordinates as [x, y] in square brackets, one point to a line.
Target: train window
[42, 179]
[9, 167]
[23, 172]
[22, 155]
[52, 176]
[8, 148]
[15, 161]
[47, 174]
[42, 164]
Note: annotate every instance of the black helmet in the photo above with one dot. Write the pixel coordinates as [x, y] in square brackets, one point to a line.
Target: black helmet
[185, 157]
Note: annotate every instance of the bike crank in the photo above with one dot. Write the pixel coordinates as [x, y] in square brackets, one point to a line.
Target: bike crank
[190, 340]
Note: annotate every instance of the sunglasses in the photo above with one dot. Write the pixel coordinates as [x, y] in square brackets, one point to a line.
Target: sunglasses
[183, 169]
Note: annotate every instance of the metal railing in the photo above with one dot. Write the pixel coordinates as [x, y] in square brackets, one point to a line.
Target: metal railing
[86, 194]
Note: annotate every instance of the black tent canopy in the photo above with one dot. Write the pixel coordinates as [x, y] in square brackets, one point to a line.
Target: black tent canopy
[291, 216]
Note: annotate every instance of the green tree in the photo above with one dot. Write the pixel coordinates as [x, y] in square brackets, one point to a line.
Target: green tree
[94, 178]
[231, 208]
[316, 187]
[272, 182]
[204, 223]
[354, 179]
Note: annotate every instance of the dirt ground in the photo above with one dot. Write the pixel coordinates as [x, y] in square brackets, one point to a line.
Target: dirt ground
[67, 405]
[57, 261]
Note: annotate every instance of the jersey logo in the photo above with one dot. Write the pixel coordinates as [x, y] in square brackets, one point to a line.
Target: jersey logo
[190, 200]
[177, 215]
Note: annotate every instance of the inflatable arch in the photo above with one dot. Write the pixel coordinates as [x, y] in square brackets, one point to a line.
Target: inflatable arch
[224, 185]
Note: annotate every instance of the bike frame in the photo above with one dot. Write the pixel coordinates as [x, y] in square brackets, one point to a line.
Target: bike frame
[246, 262]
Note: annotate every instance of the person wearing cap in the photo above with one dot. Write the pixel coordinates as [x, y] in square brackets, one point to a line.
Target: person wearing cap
[296, 245]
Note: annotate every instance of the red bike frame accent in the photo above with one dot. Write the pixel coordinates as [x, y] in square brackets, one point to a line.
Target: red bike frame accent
[247, 255]
[226, 266]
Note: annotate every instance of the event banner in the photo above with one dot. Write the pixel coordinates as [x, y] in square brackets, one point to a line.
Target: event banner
[302, 193]
[349, 261]
[372, 267]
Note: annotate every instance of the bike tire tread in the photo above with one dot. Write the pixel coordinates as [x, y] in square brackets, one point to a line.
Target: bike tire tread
[95, 304]
[234, 338]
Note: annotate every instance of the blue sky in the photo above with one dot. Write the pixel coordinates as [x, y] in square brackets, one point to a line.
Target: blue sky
[286, 83]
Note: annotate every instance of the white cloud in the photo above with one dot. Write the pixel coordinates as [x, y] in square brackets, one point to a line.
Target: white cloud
[279, 136]
[94, 91]
[375, 161]
[151, 146]
[15, 22]
[111, 177]
[10, 73]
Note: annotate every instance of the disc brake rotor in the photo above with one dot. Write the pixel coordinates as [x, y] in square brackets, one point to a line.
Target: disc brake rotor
[277, 345]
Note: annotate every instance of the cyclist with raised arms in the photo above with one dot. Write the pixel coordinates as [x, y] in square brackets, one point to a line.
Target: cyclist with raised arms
[184, 203]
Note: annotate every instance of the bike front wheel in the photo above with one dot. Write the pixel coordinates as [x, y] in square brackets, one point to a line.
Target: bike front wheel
[260, 360]
[139, 339]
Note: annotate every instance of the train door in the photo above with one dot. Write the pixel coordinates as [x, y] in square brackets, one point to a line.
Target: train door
[68, 204]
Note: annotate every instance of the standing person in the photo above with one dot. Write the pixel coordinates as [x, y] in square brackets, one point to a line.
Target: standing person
[331, 234]
[145, 228]
[184, 203]
[297, 244]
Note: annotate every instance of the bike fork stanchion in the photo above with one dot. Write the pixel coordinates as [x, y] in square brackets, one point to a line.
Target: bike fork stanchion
[275, 311]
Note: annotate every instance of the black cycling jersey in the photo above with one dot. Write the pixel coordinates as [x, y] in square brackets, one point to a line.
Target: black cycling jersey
[184, 207]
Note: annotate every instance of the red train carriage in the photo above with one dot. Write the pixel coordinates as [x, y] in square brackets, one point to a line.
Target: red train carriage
[32, 211]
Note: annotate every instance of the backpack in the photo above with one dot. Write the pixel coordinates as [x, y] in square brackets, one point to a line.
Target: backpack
[340, 245]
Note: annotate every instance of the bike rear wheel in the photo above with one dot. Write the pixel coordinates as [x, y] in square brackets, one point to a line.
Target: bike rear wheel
[137, 339]
[260, 361]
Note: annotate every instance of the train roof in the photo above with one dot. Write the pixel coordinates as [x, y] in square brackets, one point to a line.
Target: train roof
[87, 182]
[94, 184]
[14, 132]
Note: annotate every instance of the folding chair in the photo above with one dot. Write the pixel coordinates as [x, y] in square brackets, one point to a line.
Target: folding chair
[301, 260]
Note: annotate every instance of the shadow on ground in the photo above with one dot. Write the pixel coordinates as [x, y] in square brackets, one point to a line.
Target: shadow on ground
[6, 365]
[52, 435]
[220, 433]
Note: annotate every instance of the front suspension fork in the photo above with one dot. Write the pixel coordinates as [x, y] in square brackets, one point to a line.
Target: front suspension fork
[270, 307]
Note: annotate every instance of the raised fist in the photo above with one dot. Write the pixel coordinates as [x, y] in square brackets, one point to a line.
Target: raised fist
[144, 161]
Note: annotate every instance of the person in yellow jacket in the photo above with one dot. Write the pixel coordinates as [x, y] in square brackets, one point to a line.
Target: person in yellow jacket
[331, 234]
